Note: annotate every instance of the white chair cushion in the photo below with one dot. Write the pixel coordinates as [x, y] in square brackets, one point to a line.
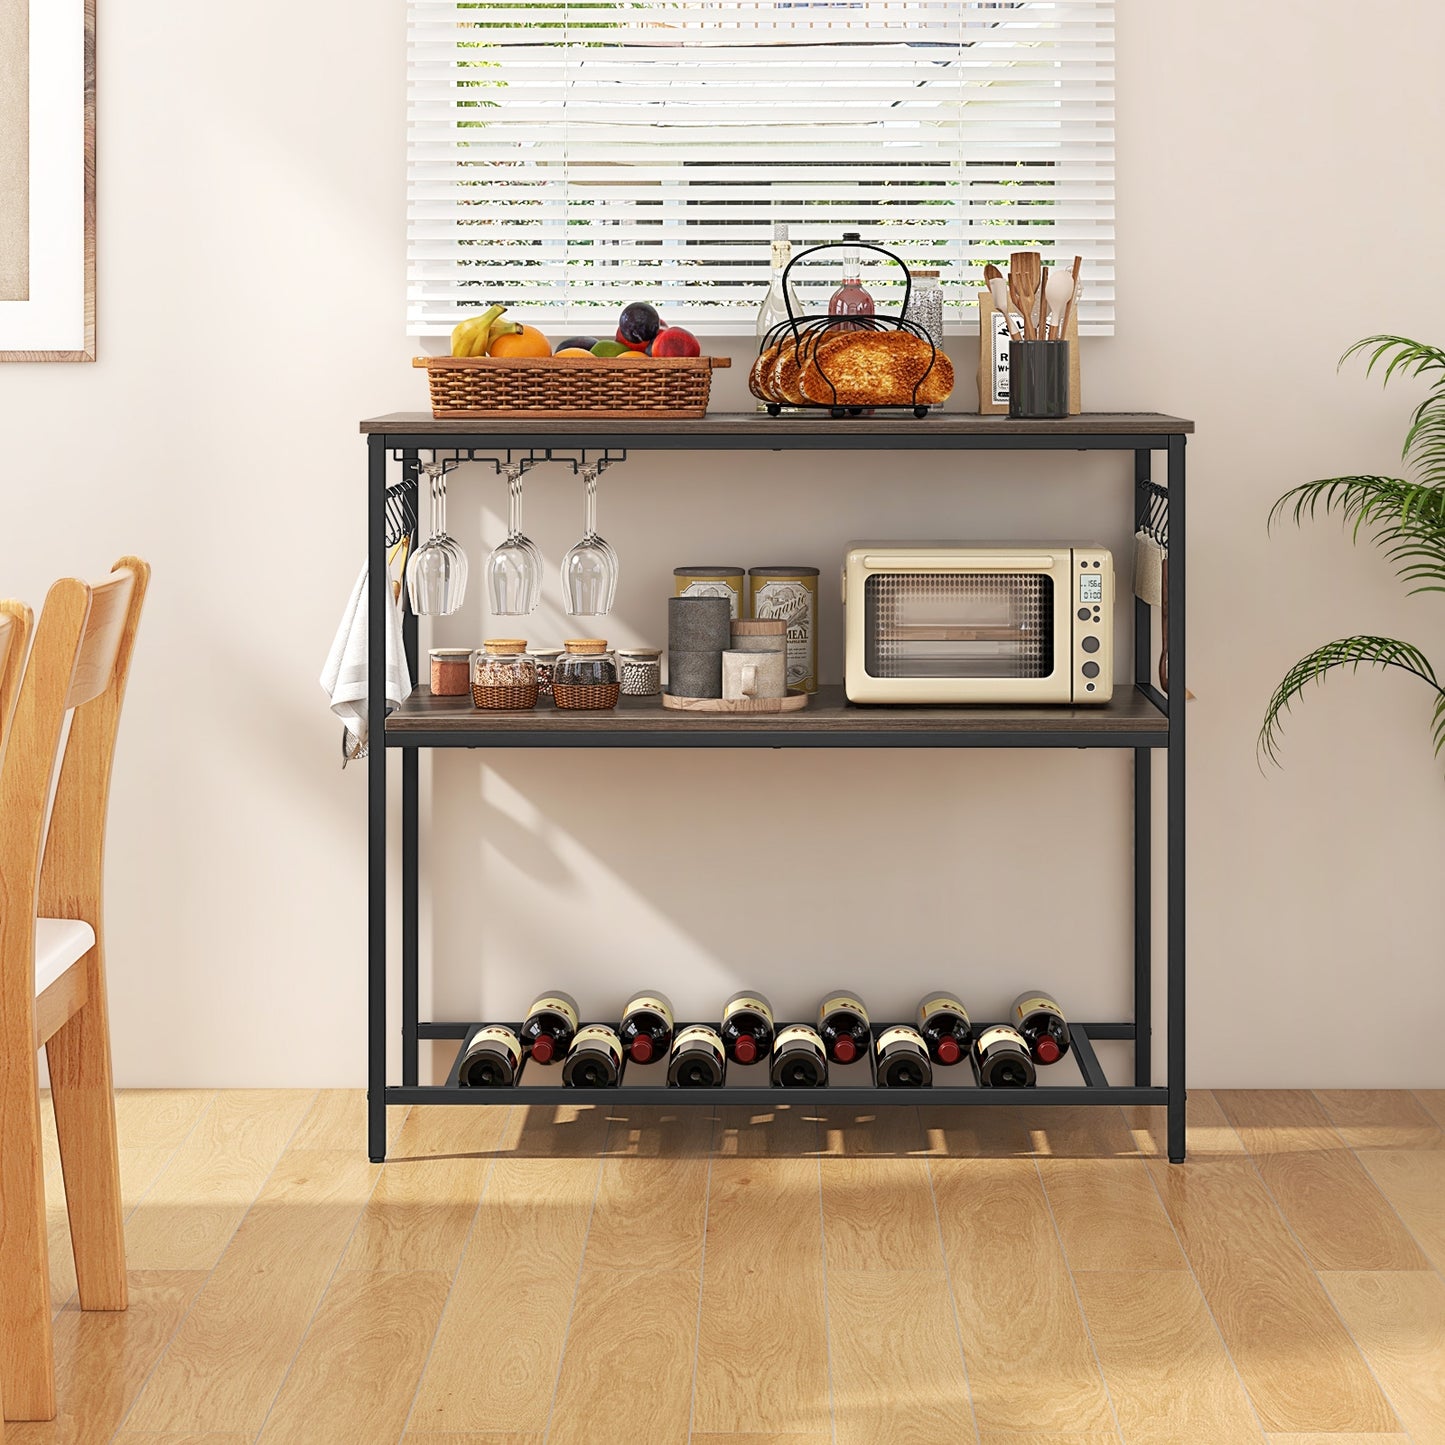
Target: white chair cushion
[59, 942]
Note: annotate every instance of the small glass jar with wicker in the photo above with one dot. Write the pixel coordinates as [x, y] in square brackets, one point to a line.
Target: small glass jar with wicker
[586, 675]
[504, 679]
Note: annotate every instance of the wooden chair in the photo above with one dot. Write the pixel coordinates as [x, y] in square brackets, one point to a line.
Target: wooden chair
[52, 967]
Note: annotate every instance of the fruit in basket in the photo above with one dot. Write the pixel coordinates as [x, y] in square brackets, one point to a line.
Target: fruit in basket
[634, 356]
[638, 324]
[574, 351]
[526, 342]
[576, 343]
[476, 331]
[609, 349]
[675, 341]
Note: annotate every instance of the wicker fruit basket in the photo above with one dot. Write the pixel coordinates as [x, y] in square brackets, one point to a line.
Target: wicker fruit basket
[481, 386]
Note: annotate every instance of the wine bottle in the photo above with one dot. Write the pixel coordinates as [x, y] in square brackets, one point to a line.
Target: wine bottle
[1042, 1023]
[850, 299]
[775, 303]
[946, 1028]
[902, 1058]
[595, 1059]
[1001, 1059]
[843, 1023]
[747, 1028]
[798, 1059]
[549, 1027]
[698, 1060]
[646, 1027]
[493, 1059]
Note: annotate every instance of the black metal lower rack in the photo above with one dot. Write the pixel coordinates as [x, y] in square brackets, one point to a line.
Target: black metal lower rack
[747, 1085]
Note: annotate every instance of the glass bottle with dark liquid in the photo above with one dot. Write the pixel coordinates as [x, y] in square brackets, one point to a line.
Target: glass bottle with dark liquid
[1001, 1059]
[844, 1027]
[902, 1059]
[747, 1028]
[1042, 1023]
[549, 1027]
[946, 1028]
[493, 1059]
[595, 1059]
[646, 1027]
[850, 299]
[798, 1059]
[698, 1061]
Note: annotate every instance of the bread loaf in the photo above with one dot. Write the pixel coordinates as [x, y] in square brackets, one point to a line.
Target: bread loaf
[875, 368]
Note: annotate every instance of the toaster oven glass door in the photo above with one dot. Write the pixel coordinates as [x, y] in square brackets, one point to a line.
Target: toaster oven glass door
[959, 625]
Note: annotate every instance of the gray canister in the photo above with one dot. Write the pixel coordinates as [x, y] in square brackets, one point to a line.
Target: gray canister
[699, 624]
[694, 674]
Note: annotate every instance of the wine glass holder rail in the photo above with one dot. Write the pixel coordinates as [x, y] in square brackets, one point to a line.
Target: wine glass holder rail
[1139, 718]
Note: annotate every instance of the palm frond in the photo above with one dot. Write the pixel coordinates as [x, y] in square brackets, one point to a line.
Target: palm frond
[1407, 519]
[1353, 653]
[1425, 440]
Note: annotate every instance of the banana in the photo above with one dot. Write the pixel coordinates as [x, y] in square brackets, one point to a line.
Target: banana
[466, 333]
[498, 328]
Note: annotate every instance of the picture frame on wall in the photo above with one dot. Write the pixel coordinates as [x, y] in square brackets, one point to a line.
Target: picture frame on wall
[47, 180]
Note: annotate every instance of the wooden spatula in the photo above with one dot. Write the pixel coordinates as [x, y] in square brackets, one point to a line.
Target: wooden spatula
[1026, 269]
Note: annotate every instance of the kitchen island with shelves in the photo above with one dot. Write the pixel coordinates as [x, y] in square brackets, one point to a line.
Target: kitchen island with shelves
[1139, 718]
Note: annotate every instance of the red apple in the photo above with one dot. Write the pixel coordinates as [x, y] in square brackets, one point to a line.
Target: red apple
[675, 341]
[631, 345]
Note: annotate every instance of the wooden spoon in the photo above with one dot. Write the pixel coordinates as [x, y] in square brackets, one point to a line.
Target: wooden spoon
[1073, 296]
[998, 288]
[1026, 269]
[1061, 292]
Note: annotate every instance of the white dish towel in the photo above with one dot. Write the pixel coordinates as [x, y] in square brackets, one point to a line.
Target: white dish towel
[344, 679]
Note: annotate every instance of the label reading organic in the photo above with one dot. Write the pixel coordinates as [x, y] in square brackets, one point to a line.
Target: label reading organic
[792, 602]
[550, 1003]
[749, 1004]
[1001, 339]
[842, 1001]
[1038, 1003]
[653, 1004]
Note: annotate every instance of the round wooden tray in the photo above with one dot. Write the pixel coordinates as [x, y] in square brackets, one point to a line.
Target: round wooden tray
[794, 702]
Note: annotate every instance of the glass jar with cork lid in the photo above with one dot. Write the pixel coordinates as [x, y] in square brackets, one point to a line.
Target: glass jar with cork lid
[586, 675]
[503, 677]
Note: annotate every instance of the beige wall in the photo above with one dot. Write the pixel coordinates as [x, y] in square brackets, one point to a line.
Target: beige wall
[1277, 200]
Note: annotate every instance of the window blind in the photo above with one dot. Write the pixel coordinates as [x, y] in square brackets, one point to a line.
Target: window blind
[566, 158]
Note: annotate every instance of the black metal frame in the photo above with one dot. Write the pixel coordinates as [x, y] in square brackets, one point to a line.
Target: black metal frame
[499, 441]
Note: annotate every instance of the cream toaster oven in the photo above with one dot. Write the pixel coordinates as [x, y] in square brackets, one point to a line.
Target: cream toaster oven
[954, 623]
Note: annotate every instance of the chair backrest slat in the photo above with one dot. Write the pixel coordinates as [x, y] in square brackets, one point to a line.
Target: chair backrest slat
[109, 608]
[15, 622]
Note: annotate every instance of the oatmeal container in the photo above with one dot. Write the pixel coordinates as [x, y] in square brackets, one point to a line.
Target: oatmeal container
[791, 595]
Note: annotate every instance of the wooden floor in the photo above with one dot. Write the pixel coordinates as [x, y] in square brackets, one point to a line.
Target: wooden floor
[515, 1276]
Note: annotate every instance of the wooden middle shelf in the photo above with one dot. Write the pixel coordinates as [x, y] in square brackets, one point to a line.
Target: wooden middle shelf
[1130, 720]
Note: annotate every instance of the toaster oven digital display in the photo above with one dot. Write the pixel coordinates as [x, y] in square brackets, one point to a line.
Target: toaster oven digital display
[1091, 587]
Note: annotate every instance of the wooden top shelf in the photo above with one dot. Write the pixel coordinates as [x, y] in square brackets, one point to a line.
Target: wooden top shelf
[1130, 720]
[755, 428]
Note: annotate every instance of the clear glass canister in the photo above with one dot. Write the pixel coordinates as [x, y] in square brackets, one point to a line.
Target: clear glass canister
[586, 675]
[641, 671]
[503, 677]
[545, 659]
[925, 304]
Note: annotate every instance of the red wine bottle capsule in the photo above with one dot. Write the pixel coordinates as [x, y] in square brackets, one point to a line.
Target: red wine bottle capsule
[698, 1060]
[946, 1028]
[844, 1027]
[549, 1027]
[798, 1059]
[902, 1059]
[646, 1028]
[493, 1059]
[595, 1059]
[1041, 1021]
[1001, 1059]
[747, 1028]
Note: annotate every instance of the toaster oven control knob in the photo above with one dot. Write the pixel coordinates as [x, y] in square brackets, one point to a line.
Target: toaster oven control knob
[1090, 644]
[1090, 669]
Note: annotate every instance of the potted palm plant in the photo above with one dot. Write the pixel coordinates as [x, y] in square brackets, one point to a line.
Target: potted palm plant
[1405, 518]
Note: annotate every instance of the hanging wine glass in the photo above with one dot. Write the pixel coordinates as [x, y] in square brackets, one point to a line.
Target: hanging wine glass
[589, 570]
[514, 566]
[436, 579]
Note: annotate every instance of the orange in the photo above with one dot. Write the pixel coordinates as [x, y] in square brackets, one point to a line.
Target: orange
[530, 342]
[632, 356]
[573, 351]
